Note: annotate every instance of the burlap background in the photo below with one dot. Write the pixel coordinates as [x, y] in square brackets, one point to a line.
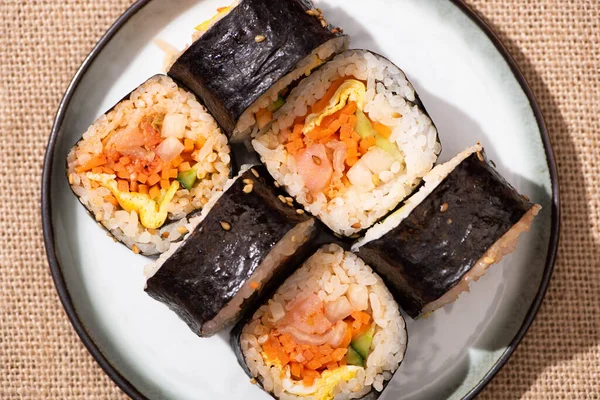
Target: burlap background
[555, 42]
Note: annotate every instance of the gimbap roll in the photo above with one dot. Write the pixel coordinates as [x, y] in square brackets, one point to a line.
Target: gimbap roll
[143, 167]
[465, 218]
[351, 142]
[240, 241]
[244, 59]
[331, 331]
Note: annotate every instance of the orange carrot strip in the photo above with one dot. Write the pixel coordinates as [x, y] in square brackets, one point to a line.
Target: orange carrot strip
[165, 184]
[173, 172]
[321, 104]
[97, 170]
[325, 359]
[123, 186]
[108, 170]
[142, 178]
[346, 340]
[185, 166]
[314, 364]
[325, 349]
[343, 119]
[309, 355]
[112, 200]
[177, 161]
[361, 316]
[351, 161]
[287, 340]
[298, 129]
[349, 109]
[154, 192]
[153, 179]
[383, 130]
[308, 380]
[97, 161]
[352, 151]
[366, 144]
[325, 122]
[346, 131]
[189, 145]
[125, 160]
[200, 142]
[334, 126]
[118, 167]
[296, 370]
[123, 174]
[294, 146]
[332, 366]
[164, 174]
[339, 353]
[143, 189]
[352, 120]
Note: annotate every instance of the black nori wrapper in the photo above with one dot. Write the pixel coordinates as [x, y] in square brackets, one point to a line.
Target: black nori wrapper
[430, 251]
[213, 263]
[229, 70]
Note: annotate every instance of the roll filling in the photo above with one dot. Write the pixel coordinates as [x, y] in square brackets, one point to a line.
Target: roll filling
[147, 164]
[351, 142]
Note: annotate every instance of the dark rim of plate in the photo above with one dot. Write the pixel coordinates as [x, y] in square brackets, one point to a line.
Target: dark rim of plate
[59, 279]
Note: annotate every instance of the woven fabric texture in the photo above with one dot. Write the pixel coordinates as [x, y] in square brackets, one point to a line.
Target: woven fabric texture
[555, 42]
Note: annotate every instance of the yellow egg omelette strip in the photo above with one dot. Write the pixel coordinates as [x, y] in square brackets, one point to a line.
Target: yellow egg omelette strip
[323, 386]
[153, 214]
[350, 91]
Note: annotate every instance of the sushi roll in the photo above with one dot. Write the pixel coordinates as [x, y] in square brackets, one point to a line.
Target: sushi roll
[331, 331]
[235, 246]
[244, 59]
[351, 142]
[149, 163]
[465, 218]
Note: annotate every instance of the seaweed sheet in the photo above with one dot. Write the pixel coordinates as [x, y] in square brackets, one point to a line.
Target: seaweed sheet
[224, 250]
[429, 252]
[229, 69]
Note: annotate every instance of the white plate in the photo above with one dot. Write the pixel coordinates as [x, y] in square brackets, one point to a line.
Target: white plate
[473, 92]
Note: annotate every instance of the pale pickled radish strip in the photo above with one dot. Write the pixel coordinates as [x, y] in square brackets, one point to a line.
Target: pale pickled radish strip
[338, 309]
[174, 125]
[169, 149]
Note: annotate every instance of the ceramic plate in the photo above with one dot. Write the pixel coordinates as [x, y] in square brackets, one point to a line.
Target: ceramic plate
[473, 91]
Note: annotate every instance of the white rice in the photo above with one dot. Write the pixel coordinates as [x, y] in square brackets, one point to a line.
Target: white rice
[389, 100]
[329, 273]
[159, 95]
